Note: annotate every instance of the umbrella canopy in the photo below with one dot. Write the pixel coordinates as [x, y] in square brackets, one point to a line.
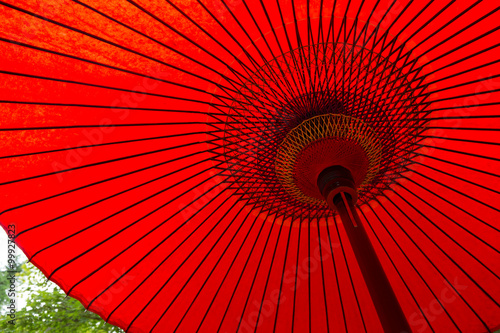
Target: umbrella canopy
[159, 159]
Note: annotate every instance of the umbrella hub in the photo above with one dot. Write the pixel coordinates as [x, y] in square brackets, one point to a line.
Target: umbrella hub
[322, 142]
[294, 117]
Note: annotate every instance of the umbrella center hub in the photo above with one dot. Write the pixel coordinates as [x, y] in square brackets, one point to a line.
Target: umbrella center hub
[321, 142]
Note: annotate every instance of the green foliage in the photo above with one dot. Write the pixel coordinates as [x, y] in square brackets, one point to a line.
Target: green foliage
[49, 310]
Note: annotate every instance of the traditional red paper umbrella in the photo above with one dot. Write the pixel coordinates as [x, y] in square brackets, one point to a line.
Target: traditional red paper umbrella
[233, 165]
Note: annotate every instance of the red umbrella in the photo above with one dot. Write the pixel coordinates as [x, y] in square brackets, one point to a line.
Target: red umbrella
[230, 165]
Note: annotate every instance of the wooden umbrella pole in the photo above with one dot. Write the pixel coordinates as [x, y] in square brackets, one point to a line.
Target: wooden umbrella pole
[337, 186]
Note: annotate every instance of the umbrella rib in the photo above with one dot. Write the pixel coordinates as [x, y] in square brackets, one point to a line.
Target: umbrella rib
[462, 13]
[454, 176]
[377, 98]
[397, 270]
[88, 165]
[459, 139]
[309, 273]
[264, 132]
[343, 24]
[111, 88]
[331, 28]
[290, 87]
[457, 164]
[313, 77]
[460, 152]
[400, 31]
[349, 273]
[257, 272]
[462, 60]
[323, 279]
[414, 131]
[465, 72]
[109, 144]
[128, 49]
[454, 97]
[165, 259]
[413, 62]
[254, 62]
[452, 20]
[215, 266]
[365, 43]
[321, 32]
[231, 266]
[175, 50]
[486, 116]
[119, 107]
[112, 215]
[269, 275]
[458, 107]
[352, 30]
[87, 186]
[343, 51]
[193, 272]
[111, 125]
[186, 282]
[219, 97]
[301, 83]
[454, 222]
[456, 191]
[459, 208]
[363, 33]
[336, 273]
[310, 41]
[444, 232]
[450, 87]
[135, 289]
[271, 75]
[384, 36]
[235, 57]
[435, 32]
[405, 76]
[300, 47]
[296, 275]
[316, 216]
[277, 79]
[153, 249]
[143, 237]
[408, 89]
[379, 58]
[290, 228]
[407, 118]
[112, 178]
[465, 43]
[428, 259]
[489, 77]
[242, 134]
[465, 128]
[125, 90]
[243, 271]
[96, 202]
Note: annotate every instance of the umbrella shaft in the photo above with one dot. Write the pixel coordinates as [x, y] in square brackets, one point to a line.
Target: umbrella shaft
[388, 308]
